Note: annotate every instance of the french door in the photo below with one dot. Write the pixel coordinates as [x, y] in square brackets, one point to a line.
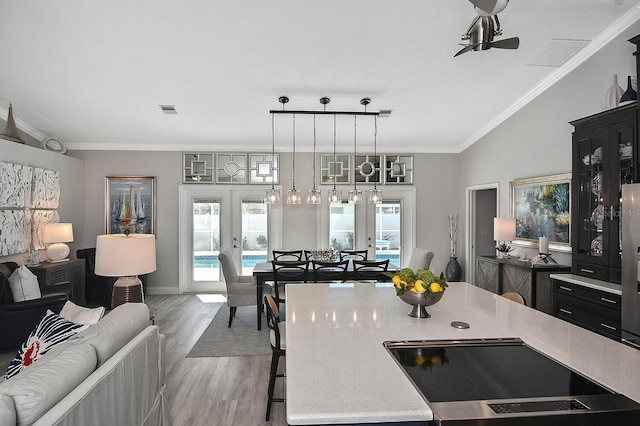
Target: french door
[386, 230]
[213, 219]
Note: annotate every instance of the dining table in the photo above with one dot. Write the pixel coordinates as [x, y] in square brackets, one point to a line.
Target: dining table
[263, 272]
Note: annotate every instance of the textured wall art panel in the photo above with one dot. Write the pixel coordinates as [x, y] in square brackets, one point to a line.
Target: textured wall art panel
[15, 185]
[40, 219]
[14, 232]
[46, 189]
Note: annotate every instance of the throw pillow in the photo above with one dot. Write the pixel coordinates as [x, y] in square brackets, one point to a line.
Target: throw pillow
[81, 315]
[24, 285]
[51, 331]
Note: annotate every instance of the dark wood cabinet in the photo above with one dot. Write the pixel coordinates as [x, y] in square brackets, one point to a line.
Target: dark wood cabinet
[72, 272]
[604, 158]
[590, 308]
[533, 282]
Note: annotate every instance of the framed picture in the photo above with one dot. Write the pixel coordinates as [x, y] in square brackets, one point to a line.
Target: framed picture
[542, 207]
[130, 203]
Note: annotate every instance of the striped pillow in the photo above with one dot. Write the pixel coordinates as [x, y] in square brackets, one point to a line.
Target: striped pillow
[51, 331]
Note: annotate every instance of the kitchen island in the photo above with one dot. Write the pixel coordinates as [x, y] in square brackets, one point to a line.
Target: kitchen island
[338, 371]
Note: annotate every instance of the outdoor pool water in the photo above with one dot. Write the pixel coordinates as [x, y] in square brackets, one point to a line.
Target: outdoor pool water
[250, 260]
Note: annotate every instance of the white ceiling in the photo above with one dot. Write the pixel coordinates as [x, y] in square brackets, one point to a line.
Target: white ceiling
[93, 74]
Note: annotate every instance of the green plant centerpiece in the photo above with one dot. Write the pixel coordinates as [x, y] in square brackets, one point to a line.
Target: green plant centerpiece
[419, 289]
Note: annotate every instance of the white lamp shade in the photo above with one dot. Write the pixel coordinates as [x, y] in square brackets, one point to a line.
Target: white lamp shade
[119, 255]
[58, 233]
[504, 228]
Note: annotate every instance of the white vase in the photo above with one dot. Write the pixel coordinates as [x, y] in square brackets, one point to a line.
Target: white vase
[612, 97]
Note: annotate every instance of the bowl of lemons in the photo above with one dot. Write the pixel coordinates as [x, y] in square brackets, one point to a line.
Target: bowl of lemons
[419, 289]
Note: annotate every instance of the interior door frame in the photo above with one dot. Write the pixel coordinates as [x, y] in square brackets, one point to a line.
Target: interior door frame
[228, 194]
[470, 208]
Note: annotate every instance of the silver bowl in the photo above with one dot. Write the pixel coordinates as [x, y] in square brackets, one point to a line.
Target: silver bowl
[418, 301]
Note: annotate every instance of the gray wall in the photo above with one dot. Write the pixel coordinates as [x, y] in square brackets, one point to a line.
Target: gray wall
[436, 178]
[71, 170]
[536, 141]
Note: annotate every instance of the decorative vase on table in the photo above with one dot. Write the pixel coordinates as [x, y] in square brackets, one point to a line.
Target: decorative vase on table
[612, 97]
[453, 269]
[630, 95]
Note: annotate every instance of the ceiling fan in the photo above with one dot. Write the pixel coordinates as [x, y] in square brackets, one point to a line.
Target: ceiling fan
[485, 26]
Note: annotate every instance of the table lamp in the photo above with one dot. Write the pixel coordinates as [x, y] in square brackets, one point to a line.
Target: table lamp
[504, 229]
[58, 234]
[126, 257]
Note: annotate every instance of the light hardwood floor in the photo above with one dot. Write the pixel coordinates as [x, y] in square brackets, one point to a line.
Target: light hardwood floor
[207, 391]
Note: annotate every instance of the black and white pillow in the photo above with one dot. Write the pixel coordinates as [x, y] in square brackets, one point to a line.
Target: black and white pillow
[51, 331]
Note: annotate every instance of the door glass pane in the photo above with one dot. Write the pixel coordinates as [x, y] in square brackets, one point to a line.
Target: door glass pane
[388, 231]
[206, 240]
[341, 226]
[255, 234]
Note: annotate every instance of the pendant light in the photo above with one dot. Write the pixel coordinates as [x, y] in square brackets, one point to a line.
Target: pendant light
[355, 194]
[375, 194]
[313, 195]
[273, 194]
[293, 195]
[335, 195]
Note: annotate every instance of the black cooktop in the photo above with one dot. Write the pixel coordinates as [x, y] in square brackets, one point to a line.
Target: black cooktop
[488, 372]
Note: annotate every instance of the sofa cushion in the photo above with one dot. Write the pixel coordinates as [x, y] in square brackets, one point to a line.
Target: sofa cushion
[81, 315]
[50, 331]
[7, 410]
[24, 285]
[115, 329]
[37, 389]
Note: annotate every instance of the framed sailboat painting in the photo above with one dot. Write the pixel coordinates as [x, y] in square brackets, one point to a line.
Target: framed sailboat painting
[130, 204]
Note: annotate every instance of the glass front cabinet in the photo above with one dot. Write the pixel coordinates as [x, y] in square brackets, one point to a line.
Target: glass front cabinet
[604, 158]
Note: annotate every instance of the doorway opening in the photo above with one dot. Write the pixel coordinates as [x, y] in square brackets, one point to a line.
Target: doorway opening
[482, 207]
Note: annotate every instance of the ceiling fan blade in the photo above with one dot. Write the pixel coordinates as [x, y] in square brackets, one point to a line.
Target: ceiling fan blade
[485, 5]
[507, 43]
[466, 49]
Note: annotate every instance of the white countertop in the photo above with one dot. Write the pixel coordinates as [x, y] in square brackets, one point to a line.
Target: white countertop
[339, 372]
[589, 282]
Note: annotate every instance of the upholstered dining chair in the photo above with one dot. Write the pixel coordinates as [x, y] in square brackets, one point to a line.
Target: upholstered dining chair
[420, 259]
[287, 271]
[241, 289]
[353, 254]
[277, 338]
[370, 269]
[287, 254]
[329, 271]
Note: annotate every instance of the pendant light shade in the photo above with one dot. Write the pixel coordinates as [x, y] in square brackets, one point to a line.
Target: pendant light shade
[355, 194]
[375, 194]
[293, 195]
[335, 195]
[273, 194]
[313, 195]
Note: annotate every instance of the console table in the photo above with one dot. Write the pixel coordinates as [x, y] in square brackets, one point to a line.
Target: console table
[500, 275]
[71, 271]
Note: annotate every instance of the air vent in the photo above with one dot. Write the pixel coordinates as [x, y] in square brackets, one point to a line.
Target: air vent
[168, 109]
[557, 52]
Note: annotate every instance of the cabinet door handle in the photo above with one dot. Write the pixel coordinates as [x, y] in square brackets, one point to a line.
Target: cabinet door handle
[565, 288]
[612, 212]
[588, 271]
[608, 326]
[564, 311]
[604, 299]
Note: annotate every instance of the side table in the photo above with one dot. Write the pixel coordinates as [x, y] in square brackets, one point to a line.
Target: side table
[71, 271]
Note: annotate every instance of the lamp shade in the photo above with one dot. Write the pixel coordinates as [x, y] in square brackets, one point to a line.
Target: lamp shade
[504, 228]
[58, 233]
[120, 255]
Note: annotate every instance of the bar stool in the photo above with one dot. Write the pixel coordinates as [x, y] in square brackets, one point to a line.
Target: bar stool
[278, 347]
